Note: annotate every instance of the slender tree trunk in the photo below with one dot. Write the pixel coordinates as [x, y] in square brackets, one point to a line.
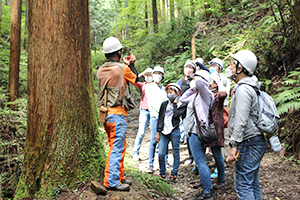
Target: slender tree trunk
[193, 47]
[63, 145]
[0, 12]
[15, 48]
[26, 25]
[161, 8]
[146, 16]
[154, 12]
[172, 9]
[116, 19]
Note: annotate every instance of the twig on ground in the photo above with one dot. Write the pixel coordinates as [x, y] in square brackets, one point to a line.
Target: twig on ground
[80, 192]
[155, 190]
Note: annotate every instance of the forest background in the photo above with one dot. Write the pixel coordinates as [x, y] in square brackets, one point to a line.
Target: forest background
[167, 33]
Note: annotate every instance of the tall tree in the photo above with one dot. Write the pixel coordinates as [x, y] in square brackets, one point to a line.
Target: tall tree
[62, 143]
[154, 13]
[0, 12]
[14, 59]
[161, 8]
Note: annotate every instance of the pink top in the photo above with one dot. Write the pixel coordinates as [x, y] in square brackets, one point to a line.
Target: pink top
[142, 87]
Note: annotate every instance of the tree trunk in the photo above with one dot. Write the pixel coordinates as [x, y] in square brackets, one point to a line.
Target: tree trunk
[161, 8]
[116, 18]
[193, 47]
[146, 16]
[172, 9]
[0, 12]
[154, 12]
[14, 59]
[63, 145]
[26, 24]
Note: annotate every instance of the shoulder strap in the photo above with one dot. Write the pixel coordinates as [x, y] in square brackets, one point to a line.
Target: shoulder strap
[195, 112]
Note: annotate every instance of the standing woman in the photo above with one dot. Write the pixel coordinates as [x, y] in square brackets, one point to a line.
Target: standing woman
[144, 111]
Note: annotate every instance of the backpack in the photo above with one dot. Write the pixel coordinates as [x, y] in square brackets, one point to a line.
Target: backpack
[268, 117]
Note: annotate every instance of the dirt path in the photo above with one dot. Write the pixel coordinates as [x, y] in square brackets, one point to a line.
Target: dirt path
[279, 177]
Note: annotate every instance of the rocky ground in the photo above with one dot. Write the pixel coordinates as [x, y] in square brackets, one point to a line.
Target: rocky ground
[279, 176]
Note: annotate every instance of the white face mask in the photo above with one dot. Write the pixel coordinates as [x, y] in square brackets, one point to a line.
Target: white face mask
[193, 84]
[157, 78]
[149, 79]
[228, 73]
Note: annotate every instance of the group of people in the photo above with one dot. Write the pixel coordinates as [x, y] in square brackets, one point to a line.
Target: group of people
[178, 110]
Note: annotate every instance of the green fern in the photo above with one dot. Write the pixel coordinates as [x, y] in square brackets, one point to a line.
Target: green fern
[288, 97]
[288, 106]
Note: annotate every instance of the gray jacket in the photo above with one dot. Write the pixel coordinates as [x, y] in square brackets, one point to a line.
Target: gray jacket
[244, 102]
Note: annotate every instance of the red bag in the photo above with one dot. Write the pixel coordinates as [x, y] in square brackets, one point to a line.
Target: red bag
[225, 116]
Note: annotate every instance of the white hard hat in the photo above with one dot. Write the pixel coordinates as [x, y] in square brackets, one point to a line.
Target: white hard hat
[189, 62]
[149, 70]
[200, 60]
[204, 74]
[247, 59]
[111, 45]
[159, 69]
[218, 62]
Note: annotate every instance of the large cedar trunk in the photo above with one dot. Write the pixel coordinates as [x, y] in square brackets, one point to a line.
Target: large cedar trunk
[154, 12]
[14, 59]
[63, 145]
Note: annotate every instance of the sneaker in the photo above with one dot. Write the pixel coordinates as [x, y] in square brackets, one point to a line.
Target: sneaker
[219, 185]
[196, 185]
[123, 187]
[135, 157]
[162, 176]
[202, 196]
[168, 166]
[126, 181]
[172, 178]
[195, 170]
[189, 161]
[150, 169]
[215, 174]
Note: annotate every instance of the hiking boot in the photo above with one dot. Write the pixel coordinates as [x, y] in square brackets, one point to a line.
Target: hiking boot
[189, 161]
[202, 196]
[123, 187]
[162, 176]
[219, 185]
[215, 174]
[172, 178]
[196, 185]
[135, 157]
[150, 169]
[126, 181]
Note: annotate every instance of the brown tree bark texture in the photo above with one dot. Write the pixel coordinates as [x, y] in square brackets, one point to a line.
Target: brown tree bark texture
[62, 124]
[154, 13]
[14, 59]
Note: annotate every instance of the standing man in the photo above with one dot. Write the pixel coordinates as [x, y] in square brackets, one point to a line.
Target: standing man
[245, 136]
[113, 79]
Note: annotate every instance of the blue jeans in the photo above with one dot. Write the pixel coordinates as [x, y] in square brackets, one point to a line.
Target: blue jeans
[198, 152]
[143, 123]
[182, 129]
[152, 145]
[247, 167]
[174, 137]
[219, 161]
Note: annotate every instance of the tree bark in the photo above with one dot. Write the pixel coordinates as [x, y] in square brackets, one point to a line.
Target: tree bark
[14, 59]
[63, 145]
[161, 8]
[154, 12]
[146, 16]
[0, 12]
[193, 47]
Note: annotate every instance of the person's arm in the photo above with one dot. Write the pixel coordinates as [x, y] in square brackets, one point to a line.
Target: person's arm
[188, 96]
[129, 61]
[139, 85]
[203, 89]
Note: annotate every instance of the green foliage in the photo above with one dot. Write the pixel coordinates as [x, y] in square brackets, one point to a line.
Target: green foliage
[154, 183]
[288, 97]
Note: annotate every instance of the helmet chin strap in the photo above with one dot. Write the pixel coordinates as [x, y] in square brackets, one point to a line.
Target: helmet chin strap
[236, 69]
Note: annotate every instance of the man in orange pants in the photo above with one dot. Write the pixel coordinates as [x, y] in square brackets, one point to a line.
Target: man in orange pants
[113, 79]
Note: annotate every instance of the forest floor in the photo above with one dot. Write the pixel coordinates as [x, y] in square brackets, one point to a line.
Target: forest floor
[279, 176]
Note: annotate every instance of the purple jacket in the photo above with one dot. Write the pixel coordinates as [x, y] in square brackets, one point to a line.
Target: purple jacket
[204, 100]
